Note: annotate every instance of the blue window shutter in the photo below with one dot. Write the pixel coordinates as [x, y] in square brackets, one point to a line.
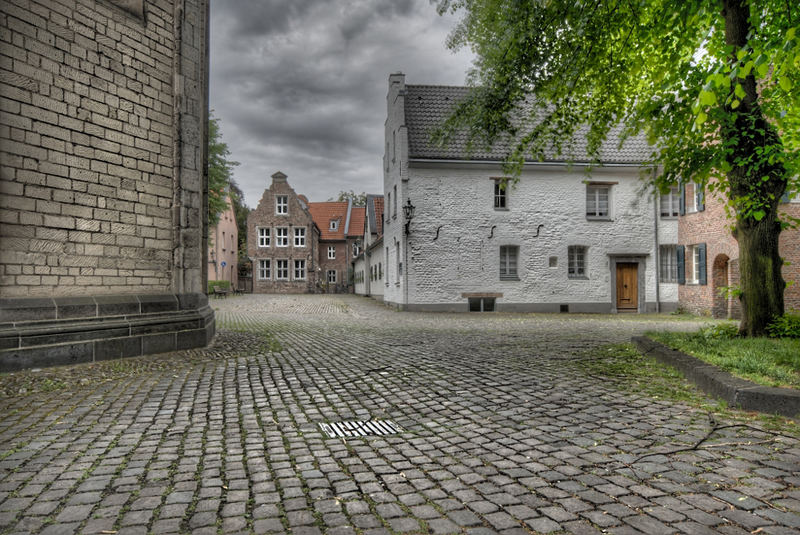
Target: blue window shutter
[701, 198]
[682, 200]
[681, 264]
[702, 248]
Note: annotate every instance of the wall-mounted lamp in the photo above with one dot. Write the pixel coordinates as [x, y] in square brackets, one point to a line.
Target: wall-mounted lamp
[408, 213]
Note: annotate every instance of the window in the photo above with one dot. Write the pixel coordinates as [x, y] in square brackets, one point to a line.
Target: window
[300, 236]
[668, 263]
[299, 270]
[597, 201]
[355, 250]
[576, 262]
[223, 241]
[399, 263]
[264, 270]
[670, 202]
[331, 252]
[334, 224]
[693, 197]
[263, 237]
[282, 270]
[500, 188]
[332, 276]
[481, 304]
[281, 204]
[508, 262]
[692, 264]
[394, 202]
[282, 237]
[380, 271]
[386, 208]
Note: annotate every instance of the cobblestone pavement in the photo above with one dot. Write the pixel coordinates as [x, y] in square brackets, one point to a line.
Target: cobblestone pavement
[502, 433]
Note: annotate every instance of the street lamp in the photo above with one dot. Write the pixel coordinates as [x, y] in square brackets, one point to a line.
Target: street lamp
[408, 213]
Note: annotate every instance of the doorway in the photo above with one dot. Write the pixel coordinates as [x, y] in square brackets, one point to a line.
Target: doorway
[627, 287]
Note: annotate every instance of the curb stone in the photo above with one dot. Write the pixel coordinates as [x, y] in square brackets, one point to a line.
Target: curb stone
[721, 384]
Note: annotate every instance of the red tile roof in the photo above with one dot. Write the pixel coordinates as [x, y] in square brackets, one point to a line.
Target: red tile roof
[357, 216]
[323, 212]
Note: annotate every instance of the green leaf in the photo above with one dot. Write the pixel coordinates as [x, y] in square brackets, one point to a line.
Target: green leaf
[707, 98]
[735, 104]
[739, 91]
[785, 83]
[745, 70]
[701, 118]
[762, 69]
[758, 215]
[790, 33]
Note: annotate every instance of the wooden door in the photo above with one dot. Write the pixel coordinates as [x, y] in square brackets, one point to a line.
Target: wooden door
[627, 287]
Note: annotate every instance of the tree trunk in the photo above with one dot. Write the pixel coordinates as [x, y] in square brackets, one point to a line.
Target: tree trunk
[753, 183]
[760, 268]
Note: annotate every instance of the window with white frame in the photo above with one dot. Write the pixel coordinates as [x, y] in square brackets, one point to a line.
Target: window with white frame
[670, 202]
[668, 263]
[281, 204]
[299, 270]
[695, 261]
[300, 236]
[264, 269]
[356, 250]
[263, 237]
[282, 237]
[334, 224]
[695, 197]
[331, 252]
[332, 276]
[500, 189]
[597, 197]
[282, 270]
[508, 262]
[576, 262]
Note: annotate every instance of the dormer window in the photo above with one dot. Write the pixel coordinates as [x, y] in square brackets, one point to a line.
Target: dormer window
[334, 224]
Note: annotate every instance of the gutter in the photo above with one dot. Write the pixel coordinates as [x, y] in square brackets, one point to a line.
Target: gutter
[657, 252]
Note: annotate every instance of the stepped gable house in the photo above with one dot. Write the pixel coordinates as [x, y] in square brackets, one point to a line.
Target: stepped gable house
[561, 239]
[103, 189]
[282, 241]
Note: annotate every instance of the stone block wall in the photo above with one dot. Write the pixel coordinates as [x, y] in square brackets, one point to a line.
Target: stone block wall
[103, 119]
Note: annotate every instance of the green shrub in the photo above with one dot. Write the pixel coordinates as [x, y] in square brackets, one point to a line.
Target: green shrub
[786, 326]
[720, 331]
[225, 285]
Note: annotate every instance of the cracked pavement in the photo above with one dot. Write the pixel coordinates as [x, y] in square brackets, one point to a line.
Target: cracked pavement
[502, 433]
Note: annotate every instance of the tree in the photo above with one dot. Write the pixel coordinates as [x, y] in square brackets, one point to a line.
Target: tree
[359, 199]
[220, 172]
[240, 211]
[713, 85]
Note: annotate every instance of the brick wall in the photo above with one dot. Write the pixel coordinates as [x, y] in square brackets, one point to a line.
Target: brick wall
[98, 192]
[712, 227]
[264, 215]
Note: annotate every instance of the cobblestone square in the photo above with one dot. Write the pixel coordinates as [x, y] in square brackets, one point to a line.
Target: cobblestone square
[502, 433]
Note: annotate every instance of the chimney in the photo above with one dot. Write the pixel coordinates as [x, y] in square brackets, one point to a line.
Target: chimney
[278, 178]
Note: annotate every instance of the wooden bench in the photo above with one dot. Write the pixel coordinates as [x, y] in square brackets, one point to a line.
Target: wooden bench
[220, 292]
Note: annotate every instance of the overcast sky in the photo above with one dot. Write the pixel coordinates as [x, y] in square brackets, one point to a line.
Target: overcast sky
[300, 85]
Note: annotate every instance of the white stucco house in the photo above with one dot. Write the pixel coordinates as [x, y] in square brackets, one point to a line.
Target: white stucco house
[559, 240]
[368, 265]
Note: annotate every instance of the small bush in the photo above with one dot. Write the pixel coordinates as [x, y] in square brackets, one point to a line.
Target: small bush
[225, 285]
[786, 326]
[720, 331]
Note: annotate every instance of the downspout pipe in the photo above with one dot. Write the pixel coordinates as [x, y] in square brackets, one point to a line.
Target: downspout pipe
[656, 253]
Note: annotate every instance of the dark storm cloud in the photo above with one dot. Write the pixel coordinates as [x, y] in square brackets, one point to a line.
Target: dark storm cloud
[300, 85]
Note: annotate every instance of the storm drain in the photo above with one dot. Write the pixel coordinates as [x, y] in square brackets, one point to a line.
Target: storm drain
[361, 429]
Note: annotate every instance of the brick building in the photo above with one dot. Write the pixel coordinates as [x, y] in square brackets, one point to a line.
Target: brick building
[368, 264]
[708, 255]
[282, 241]
[298, 246]
[103, 189]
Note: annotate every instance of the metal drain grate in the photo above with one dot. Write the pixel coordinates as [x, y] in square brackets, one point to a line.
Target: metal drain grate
[361, 429]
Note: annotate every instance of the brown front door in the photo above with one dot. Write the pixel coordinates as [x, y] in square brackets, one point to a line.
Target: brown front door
[627, 287]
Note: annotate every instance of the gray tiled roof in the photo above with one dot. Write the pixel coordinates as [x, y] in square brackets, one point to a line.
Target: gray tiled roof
[427, 106]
